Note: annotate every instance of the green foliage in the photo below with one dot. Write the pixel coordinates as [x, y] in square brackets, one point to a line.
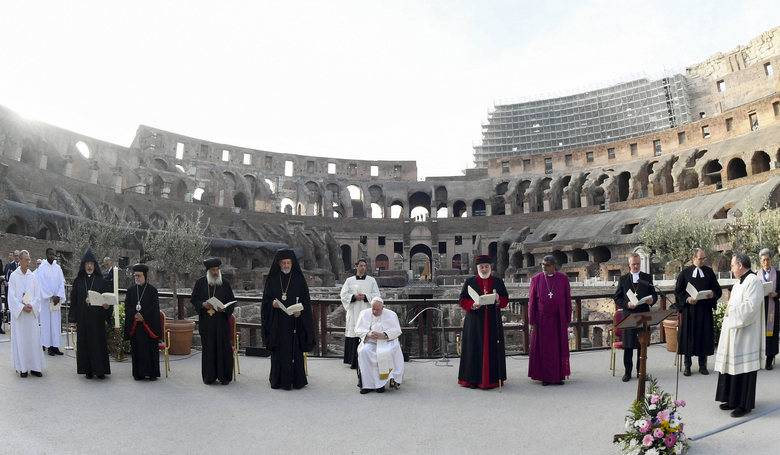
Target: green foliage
[178, 248]
[754, 230]
[720, 313]
[118, 347]
[673, 236]
[106, 233]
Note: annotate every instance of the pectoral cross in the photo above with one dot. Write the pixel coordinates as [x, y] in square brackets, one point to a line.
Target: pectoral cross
[550, 294]
[284, 296]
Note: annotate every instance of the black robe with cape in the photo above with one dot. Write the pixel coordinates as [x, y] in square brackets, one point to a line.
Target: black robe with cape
[483, 333]
[697, 330]
[287, 337]
[643, 288]
[145, 336]
[91, 344]
[217, 361]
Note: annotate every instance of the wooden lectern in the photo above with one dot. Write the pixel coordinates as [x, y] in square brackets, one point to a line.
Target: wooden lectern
[642, 323]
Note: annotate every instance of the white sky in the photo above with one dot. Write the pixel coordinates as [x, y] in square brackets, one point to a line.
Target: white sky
[406, 80]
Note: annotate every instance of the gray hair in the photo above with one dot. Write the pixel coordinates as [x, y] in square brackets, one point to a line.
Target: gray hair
[24, 253]
[743, 259]
[634, 255]
[765, 252]
[697, 251]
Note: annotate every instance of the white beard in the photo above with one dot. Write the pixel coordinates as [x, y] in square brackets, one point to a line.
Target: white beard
[214, 281]
[484, 276]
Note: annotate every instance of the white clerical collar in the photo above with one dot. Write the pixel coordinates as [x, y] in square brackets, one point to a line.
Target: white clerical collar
[635, 277]
[698, 272]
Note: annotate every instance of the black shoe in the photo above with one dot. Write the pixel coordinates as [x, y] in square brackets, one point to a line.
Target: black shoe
[152, 378]
[24, 375]
[770, 364]
[37, 374]
[394, 385]
[224, 381]
[137, 378]
[687, 371]
[703, 370]
[381, 390]
[101, 376]
[365, 391]
[213, 380]
[626, 377]
[89, 375]
[544, 383]
[726, 407]
[57, 351]
[739, 412]
[44, 348]
[51, 352]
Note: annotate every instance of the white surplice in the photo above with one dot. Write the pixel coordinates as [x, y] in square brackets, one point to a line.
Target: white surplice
[379, 360]
[52, 283]
[742, 344]
[353, 286]
[25, 332]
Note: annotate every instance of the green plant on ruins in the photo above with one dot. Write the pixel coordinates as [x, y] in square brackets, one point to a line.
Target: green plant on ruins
[105, 232]
[177, 249]
[673, 235]
[753, 230]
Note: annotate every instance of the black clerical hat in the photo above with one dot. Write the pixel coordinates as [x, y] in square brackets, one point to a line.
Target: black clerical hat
[484, 259]
[212, 262]
[143, 268]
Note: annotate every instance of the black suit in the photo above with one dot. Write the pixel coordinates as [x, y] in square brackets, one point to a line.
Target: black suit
[643, 287]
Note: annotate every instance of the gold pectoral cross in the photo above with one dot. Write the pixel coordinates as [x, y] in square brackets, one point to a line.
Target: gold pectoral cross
[211, 312]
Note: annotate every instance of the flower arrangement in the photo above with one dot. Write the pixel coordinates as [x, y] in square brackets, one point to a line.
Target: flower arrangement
[654, 426]
[720, 313]
[118, 347]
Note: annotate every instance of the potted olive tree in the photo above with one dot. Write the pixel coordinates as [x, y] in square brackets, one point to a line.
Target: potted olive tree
[177, 249]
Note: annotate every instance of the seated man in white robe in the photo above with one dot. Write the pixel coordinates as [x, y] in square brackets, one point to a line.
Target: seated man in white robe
[24, 304]
[379, 355]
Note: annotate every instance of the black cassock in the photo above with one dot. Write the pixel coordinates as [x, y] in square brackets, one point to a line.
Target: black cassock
[642, 288]
[287, 337]
[217, 362]
[697, 331]
[91, 344]
[483, 355]
[144, 336]
[772, 341]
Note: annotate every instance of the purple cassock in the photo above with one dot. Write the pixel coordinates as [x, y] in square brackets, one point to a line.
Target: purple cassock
[549, 311]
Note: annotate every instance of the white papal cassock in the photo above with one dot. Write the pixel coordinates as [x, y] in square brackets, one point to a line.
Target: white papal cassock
[25, 333]
[52, 283]
[379, 360]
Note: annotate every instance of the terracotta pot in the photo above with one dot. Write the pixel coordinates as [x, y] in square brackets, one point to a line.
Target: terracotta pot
[670, 329]
[181, 336]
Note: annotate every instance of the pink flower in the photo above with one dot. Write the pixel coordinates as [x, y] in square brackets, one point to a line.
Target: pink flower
[658, 433]
[670, 441]
[654, 399]
[679, 403]
[645, 428]
[647, 441]
[663, 416]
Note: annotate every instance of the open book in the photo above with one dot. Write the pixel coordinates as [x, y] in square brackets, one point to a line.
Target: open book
[482, 300]
[769, 287]
[217, 304]
[27, 300]
[289, 309]
[648, 299]
[698, 295]
[98, 299]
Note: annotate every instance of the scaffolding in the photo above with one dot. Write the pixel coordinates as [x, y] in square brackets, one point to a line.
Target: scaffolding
[618, 112]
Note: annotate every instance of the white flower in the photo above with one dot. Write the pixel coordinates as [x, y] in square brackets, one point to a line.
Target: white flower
[651, 451]
[629, 424]
[651, 407]
[640, 423]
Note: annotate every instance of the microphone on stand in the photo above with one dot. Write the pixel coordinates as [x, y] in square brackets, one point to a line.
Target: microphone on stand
[443, 361]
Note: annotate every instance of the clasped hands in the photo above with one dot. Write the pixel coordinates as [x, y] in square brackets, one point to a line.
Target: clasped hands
[377, 335]
[139, 317]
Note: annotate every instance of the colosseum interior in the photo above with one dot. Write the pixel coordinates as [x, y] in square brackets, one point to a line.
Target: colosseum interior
[576, 177]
